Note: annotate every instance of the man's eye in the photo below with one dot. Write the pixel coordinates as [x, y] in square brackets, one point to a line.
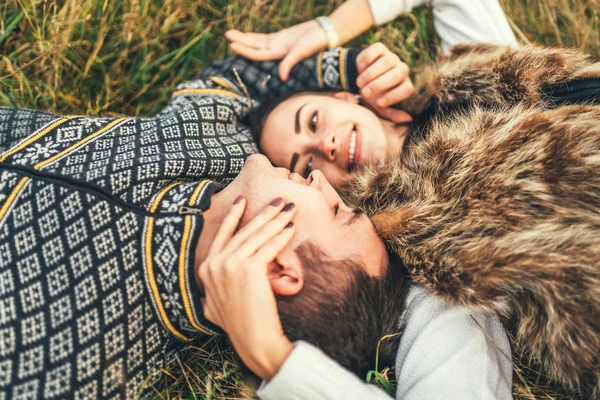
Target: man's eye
[307, 169]
[313, 122]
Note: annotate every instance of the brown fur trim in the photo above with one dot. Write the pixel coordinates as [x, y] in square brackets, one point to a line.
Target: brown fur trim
[495, 76]
[501, 210]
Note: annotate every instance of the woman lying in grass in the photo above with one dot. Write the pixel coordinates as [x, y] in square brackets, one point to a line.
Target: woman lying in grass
[335, 132]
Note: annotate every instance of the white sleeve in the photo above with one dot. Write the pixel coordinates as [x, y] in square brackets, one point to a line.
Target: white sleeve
[386, 10]
[445, 354]
[456, 21]
[309, 374]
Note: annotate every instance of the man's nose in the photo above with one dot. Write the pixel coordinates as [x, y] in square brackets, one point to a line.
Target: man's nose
[328, 146]
[296, 177]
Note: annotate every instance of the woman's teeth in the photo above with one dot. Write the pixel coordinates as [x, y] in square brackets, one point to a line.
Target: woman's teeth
[352, 148]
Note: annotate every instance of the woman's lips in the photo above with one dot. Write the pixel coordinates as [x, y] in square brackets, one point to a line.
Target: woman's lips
[352, 148]
[358, 148]
[355, 149]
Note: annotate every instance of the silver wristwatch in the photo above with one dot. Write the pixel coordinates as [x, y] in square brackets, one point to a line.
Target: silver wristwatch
[332, 37]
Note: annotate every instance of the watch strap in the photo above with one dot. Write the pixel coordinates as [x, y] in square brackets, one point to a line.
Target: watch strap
[332, 37]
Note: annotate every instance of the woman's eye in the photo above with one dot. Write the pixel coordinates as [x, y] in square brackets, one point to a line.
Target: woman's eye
[313, 122]
[308, 169]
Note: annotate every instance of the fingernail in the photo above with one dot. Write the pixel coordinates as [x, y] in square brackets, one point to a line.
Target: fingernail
[288, 207]
[382, 102]
[366, 92]
[277, 201]
[238, 199]
[362, 65]
[360, 81]
[289, 225]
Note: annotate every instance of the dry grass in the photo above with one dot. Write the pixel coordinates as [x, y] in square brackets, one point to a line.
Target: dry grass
[123, 57]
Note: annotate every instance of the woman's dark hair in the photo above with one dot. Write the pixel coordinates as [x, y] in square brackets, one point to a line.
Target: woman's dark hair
[258, 115]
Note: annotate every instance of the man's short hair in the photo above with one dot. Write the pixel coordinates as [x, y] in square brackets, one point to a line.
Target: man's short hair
[344, 311]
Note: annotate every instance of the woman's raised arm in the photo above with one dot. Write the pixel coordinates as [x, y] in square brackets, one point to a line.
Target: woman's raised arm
[293, 44]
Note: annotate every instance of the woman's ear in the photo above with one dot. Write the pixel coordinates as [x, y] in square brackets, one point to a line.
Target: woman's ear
[347, 96]
[285, 274]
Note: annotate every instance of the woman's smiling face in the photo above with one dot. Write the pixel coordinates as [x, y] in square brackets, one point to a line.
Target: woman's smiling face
[329, 132]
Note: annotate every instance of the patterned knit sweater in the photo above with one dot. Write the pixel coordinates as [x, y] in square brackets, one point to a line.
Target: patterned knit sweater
[99, 218]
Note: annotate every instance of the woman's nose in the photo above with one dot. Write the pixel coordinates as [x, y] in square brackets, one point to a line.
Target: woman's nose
[328, 146]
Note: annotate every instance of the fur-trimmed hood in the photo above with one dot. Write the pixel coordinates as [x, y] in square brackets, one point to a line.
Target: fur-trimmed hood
[499, 205]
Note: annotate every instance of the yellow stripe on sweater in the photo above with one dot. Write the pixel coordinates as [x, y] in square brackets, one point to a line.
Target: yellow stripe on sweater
[204, 91]
[80, 143]
[320, 69]
[150, 265]
[12, 196]
[182, 258]
[343, 69]
[35, 137]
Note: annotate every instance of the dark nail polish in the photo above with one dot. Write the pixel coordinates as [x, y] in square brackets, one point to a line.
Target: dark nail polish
[238, 199]
[289, 225]
[277, 201]
[288, 207]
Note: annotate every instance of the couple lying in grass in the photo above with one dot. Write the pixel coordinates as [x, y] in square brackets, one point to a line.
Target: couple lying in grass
[121, 242]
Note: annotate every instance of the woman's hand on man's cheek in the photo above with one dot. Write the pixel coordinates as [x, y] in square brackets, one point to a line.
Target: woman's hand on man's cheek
[239, 297]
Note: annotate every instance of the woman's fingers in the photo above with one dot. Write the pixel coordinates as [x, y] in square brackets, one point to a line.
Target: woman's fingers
[255, 46]
[310, 42]
[269, 230]
[296, 54]
[396, 95]
[228, 227]
[368, 56]
[248, 39]
[269, 212]
[377, 68]
[389, 80]
[275, 245]
[256, 54]
[396, 116]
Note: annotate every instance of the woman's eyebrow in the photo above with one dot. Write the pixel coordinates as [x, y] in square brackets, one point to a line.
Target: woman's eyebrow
[295, 157]
[298, 118]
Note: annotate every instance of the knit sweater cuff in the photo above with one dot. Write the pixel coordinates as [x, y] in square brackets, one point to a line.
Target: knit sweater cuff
[352, 70]
[307, 373]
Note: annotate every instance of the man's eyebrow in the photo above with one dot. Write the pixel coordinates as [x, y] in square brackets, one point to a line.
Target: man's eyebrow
[298, 119]
[356, 213]
[295, 157]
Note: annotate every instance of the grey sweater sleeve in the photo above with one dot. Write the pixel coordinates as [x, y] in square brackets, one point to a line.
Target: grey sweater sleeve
[309, 374]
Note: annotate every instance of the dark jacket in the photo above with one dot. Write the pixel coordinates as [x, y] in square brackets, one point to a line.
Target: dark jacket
[99, 218]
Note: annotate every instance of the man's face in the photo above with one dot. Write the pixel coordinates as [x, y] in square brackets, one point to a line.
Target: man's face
[328, 132]
[321, 216]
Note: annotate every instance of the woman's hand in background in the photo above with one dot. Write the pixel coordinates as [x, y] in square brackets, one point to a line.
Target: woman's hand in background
[294, 44]
[290, 44]
[239, 297]
[383, 80]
